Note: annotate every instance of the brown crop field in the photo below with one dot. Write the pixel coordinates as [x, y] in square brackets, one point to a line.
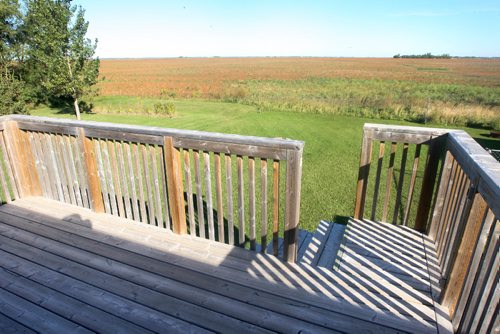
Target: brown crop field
[463, 92]
[207, 77]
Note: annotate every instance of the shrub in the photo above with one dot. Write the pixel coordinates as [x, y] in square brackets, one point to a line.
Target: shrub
[164, 109]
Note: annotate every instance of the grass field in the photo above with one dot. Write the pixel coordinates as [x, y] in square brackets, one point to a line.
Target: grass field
[464, 92]
[330, 156]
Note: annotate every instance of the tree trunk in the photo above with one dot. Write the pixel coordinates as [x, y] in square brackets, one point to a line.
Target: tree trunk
[77, 108]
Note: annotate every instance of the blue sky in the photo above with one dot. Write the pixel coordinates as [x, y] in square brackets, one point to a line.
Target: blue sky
[378, 28]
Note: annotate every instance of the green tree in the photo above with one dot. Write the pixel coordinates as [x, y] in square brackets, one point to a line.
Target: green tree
[60, 59]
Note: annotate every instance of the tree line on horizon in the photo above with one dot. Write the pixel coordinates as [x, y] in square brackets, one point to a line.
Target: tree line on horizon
[45, 56]
[427, 55]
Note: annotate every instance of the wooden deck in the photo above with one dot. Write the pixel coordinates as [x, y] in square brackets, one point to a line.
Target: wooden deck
[67, 269]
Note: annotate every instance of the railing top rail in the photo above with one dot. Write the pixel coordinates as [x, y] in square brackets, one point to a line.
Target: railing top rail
[407, 129]
[478, 164]
[276, 143]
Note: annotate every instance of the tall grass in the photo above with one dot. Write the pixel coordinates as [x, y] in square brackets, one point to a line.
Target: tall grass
[449, 104]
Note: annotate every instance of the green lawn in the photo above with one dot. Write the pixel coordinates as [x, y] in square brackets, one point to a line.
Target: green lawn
[331, 153]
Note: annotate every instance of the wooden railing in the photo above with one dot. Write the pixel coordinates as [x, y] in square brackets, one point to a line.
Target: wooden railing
[233, 189]
[455, 196]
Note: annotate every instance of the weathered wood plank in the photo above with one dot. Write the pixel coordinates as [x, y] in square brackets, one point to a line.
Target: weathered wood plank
[241, 202]
[263, 205]
[380, 161]
[428, 183]
[480, 277]
[38, 165]
[231, 148]
[38, 318]
[411, 188]
[363, 173]
[276, 205]
[163, 186]
[441, 196]
[122, 166]
[454, 286]
[132, 176]
[208, 195]
[126, 130]
[58, 163]
[76, 155]
[267, 292]
[189, 190]
[22, 161]
[146, 167]
[69, 308]
[69, 167]
[199, 195]
[45, 155]
[292, 208]
[100, 167]
[115, 173]
[219, 198]
[229, 195]
[139, 176]
[251, 202]
[400, 183]
[175, 186]
[92, 167]
[8, 165]
[156, 186]
[388, 183]
[109, 177]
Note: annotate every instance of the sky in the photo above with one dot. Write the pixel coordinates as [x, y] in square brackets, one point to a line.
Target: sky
[241, 28]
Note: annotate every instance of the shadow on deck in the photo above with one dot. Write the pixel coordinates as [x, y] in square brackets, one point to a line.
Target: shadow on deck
[75, 270]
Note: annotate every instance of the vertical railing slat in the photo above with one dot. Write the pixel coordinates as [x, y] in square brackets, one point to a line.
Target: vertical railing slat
[199, 195]
[115, 173]
[136, 155]
[189, 190]
[208, 196]
[241, 202]
[92, 165]
[122, 166]
[276, 206]
[263, 209]
[147, 179]
[388, 183]
[399, 191]
[8, 164]
[218, 197]
[380, 161]
[411, 188]
[156, 187]
[131, 179]
[251, 202]
[229, 194]
[100, 171]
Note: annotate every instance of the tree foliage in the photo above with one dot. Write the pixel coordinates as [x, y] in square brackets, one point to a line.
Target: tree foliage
[59, 57]
[44, 53]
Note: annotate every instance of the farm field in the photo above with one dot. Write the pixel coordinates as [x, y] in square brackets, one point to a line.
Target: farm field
[464, 92]
[331, 153]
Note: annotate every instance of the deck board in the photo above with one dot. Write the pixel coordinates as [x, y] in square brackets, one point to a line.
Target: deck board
[148, 278]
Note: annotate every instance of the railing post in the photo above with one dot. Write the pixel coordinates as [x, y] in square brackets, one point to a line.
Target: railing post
[25, 174]
[292, 204]
[364, 171]
[90, 169]
[175, 186]
[427, 192]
